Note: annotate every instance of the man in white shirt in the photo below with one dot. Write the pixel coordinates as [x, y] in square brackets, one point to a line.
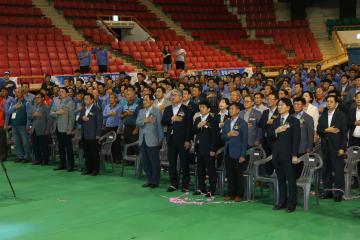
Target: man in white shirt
[180, 55]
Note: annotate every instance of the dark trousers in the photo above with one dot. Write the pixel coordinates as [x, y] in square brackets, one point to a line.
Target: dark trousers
[333, 164]
[356, 142]
[3, 144]
[84, 69]
[65, 150]
[116, 146]
[151, 162]
[129, 137]
[176, 150]
[205, 163]
[285, 173]
[92, 158]
[180, 65]
[40, 145]
[234, 173]
[103, 68]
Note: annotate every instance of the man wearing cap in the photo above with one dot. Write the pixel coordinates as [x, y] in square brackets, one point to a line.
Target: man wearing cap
[178, 120]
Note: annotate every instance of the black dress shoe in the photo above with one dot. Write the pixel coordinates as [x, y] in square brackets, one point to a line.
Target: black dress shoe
[171, 189]
[338, 198]
[291, 208]
[184, 190]
[210, 194]
[85, 173]
[25, 160]
[154, 185]
[326, 195]
[145, 185]
[279, 207]
[59, 168]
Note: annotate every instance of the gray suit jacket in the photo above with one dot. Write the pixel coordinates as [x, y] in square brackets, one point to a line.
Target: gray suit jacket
[254, 132]
[307, 133]
[63, 123]
[39, 125]
[153, 133]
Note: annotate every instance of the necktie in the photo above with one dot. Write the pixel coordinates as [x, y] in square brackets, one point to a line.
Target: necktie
[282, 121]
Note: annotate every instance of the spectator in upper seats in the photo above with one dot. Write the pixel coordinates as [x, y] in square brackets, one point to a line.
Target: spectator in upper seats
[352, 92]
[27, 95]
[84, 59]
[167, 60]
[101, 58]
[180, 55]
[9, 84]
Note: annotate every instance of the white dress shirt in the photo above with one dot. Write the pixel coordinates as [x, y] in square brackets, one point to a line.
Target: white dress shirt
[357, 128]
[175, 109]
[232, 123]
[330, 116]
[87, 110]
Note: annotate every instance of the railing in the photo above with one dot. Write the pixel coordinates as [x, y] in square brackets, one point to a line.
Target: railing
[124, 18]
[107, 27]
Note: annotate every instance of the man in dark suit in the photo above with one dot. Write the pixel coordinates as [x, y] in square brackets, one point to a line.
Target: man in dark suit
[332, 129]
[39, 125]
[235, 135]
[306, 129]
[207, 131]
[178, 120]
[91, 120]
[354, 125]
[265, 123]
[285, 132]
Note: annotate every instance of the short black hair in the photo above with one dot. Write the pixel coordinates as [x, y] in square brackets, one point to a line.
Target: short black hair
[310, 94]
[300, 99]
[65, 89]
[205, 103]
[235, 105]
[90, 95]
[226, 101]
[161, 88]
[336, 98]
[151, 97]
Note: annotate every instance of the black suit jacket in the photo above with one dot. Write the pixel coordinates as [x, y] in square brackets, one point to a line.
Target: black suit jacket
[286, 144]
[206, 137]
[91, 128]
[181, 131]
[267, 128]
[351, 123]
[333, 141]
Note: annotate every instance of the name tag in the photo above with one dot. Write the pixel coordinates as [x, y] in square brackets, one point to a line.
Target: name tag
[256, 154]
[356, 152]
[311, 159]
[13, 115]
[77, 117]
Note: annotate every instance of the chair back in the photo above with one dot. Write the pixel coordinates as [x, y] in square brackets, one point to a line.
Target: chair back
[255, 154]
[312, 162]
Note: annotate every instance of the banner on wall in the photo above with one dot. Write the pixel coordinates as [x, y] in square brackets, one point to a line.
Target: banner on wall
[59, 80]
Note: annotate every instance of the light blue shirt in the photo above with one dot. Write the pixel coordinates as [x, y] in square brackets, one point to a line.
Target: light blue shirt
[85, 58]
[101, 56]
[112, 121]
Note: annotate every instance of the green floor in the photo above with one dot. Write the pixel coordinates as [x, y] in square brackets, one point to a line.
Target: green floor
[60, 205]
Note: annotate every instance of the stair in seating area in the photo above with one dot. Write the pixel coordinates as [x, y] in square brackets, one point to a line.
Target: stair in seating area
[58, 20]
[317, 23]
[162, 16]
